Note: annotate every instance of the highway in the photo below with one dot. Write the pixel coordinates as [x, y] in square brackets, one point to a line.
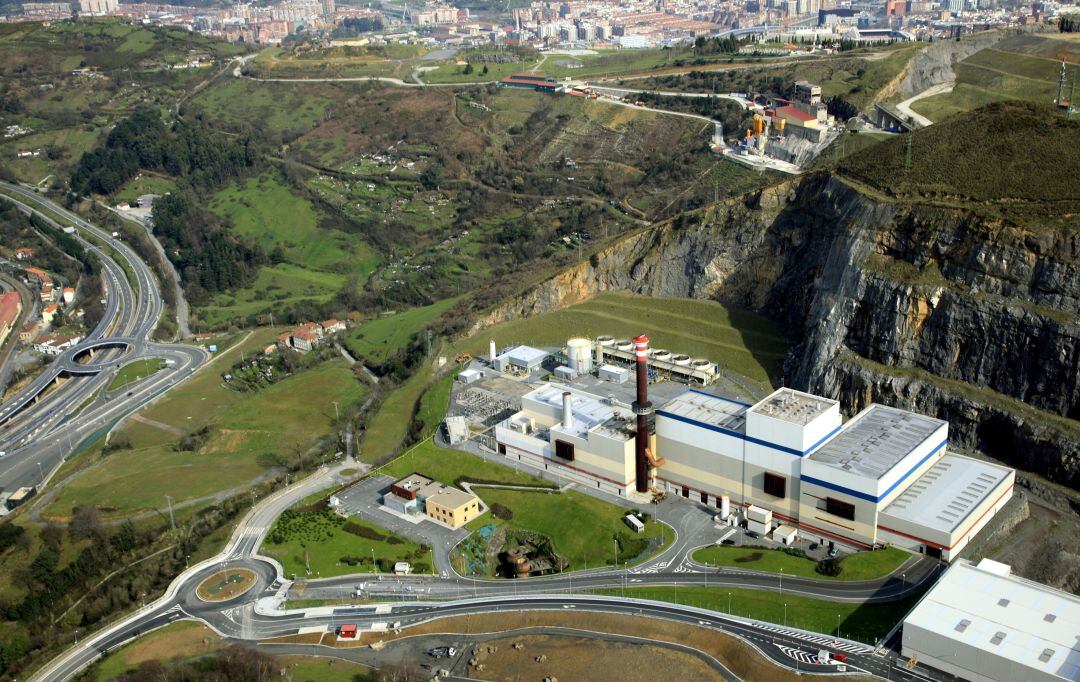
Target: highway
[256, 615]
[42, 423]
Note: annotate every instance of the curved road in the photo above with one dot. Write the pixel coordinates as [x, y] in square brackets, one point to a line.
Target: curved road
[41, 423]
[255, 615]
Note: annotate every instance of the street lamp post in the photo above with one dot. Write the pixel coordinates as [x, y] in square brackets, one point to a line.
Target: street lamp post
[785, 615]
[372, 559]
[781, 583]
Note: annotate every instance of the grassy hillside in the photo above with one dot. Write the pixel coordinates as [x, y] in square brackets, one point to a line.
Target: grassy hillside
[1015, 158]
[1023, 67]
[130, 65]
[738, 341]
[248, 433]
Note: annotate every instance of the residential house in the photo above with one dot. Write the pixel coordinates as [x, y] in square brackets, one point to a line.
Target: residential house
[48, 313]
[54, 344]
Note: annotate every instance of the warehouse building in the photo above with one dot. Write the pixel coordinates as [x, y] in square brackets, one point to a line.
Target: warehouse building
[981, 623]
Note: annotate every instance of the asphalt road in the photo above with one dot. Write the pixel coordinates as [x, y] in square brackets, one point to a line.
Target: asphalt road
[37, 425]
[239, 619]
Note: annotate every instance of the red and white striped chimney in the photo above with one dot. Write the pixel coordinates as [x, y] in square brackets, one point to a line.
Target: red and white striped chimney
[643, 409]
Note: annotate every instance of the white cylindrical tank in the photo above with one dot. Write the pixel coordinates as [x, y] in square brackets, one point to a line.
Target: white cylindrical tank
[579, 355]
[567, 410]
[682, 360]
[492, 351]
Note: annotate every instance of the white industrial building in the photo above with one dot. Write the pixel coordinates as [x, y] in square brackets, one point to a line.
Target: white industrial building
[521, 358]
[884, 477]
[584, 438]
[981, 623]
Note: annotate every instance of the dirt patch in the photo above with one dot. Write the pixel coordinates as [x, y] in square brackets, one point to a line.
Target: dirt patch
[743, 660]
[579, 658]
[747, 558]
[181, 640]
[225, 585]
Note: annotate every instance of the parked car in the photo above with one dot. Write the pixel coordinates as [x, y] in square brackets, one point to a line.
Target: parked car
[833, 553]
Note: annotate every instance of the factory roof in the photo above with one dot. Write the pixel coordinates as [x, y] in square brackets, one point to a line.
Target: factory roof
[588, 413]
[985, 607]
[876, 440]
[706, 408]
[793, 406]
[947, 493]
[525, 354]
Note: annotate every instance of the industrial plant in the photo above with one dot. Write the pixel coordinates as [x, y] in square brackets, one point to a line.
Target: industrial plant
[785, 465]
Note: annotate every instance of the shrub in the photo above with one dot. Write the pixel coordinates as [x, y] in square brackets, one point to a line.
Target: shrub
[829, 567]
[394, 540]
[501, 511]
[363, 531]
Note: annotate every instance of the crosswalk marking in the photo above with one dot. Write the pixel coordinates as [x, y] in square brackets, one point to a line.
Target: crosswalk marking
[799, 655]
[824, 641]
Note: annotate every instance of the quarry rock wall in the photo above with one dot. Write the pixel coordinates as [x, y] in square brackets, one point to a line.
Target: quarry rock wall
[928, 308]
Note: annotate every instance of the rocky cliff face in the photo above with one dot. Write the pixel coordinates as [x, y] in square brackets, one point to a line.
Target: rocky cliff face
[929, 308]
[934, 64]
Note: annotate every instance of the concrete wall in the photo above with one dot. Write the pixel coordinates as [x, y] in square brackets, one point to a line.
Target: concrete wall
[862, 529]
[965, 662]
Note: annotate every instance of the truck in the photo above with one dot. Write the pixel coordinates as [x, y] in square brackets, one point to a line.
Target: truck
[827, 658]
[347, 631]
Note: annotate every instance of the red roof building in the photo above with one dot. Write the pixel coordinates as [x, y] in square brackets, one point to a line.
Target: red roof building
[10, 307]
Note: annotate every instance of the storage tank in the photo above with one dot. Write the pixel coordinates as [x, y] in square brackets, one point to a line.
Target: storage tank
[579, 355]
[661, 355]
[681, 360]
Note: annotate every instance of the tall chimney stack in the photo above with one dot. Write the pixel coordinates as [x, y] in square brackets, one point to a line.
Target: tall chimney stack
[567, 410]
[644, 410]
[491, 351]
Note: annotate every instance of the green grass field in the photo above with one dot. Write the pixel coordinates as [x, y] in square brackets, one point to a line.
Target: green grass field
[581, 528]
[386, 429]
[862, 622]
[1018, 67]
[378, 339]
[249, 433]
[326, 541]
[859, 566]
[296, 107]
[278, 285]
[144, 184]
[739, 341]
[264, 209]
[134, 371]
[454, 466]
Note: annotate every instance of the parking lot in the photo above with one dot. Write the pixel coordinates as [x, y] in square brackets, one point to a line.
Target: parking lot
[363, 500]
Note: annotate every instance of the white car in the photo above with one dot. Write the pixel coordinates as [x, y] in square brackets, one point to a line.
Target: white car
[3, 453]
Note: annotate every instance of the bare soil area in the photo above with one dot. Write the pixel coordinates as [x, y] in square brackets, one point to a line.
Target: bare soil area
[578, 658]
[737, 656]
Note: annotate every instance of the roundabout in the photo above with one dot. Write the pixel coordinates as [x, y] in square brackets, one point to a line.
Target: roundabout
[225, 585]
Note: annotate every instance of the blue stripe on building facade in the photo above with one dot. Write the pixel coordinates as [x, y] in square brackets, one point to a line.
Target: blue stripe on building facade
[734, 434]
[872, 498]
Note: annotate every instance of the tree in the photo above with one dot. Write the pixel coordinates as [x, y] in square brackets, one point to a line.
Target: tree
[468, 68]
[85, 522]
[485, 69]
